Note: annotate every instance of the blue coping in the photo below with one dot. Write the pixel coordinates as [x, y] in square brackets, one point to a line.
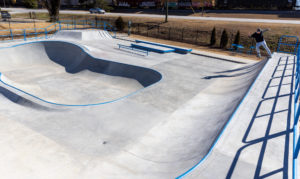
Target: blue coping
[177, 49]
[152, 49]
[224, 128]
[89, 55]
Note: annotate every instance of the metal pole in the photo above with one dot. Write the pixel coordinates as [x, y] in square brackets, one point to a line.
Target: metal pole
[129, 28]
[167, 10]
[24, 33]
[11, 33]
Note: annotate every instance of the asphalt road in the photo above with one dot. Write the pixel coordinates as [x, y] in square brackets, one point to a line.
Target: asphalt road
[23, 10]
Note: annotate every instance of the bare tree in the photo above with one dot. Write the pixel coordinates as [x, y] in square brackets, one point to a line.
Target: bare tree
[53, 9]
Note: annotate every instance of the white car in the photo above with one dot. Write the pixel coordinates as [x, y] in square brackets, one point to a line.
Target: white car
[97, 11]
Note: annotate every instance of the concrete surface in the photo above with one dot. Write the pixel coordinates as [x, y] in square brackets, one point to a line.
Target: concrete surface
[161, 131]
[257, 143]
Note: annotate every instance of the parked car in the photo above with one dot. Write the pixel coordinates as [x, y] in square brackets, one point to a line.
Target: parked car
[97, 11]
[5, 15]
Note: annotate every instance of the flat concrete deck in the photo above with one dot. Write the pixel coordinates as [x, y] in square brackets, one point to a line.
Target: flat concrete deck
[159, 132]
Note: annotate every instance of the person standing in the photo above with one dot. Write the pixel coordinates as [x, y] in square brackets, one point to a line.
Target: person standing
[260, 41]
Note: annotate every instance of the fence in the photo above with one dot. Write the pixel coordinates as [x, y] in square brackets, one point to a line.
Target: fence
[296, 137]
[288, 44]
[40, 33]
[195, 36]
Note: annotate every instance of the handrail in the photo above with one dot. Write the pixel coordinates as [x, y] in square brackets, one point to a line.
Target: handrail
[280, 43]
[296, 137]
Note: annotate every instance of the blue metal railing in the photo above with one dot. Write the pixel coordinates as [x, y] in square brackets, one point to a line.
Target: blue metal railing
[296, 138]
[291, 45]
[41, 33]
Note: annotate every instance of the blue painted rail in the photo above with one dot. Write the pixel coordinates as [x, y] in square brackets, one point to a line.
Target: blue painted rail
[282, 43]
[153, 48]
[45, 33]
[133, 48]
[176, 49]
[296, 138]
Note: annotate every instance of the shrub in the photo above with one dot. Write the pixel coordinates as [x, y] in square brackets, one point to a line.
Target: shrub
[120, 24]
[30, 3]
[224, 39]
[213, 37]
[237, 38]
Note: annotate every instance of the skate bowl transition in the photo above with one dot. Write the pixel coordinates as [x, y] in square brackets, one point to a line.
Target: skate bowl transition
[160, 115]
[84, 35]
[51, 56]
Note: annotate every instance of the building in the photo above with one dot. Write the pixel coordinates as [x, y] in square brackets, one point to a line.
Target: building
[173, 4]
[258, 4]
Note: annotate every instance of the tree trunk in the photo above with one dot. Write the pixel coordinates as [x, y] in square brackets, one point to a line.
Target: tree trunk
[53, 7]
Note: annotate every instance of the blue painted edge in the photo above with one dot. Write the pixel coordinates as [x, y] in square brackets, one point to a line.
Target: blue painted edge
[162, 45]
[295, 126]
[134, 49]
[72, 105]
[151, 49]
[224, 128]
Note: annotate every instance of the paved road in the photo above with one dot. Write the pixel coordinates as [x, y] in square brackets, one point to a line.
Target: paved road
[22, 10]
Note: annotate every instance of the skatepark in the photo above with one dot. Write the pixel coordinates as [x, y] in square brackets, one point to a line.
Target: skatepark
[78, 105]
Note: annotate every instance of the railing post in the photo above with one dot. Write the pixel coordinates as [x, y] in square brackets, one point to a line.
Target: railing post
[104, 25]
[24, 33]
[46, 33]
[11, 34]
[35, 33]
[59, 25]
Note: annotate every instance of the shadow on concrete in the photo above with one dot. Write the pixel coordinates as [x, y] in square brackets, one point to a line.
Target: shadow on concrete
[15, 98]
[75, 59]
[270, 116]
[217, 58]
[245, 70]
